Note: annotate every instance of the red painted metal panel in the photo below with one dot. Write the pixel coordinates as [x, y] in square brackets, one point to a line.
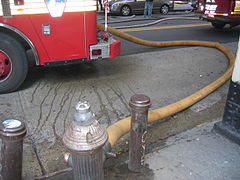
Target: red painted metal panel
[70, 35]
[223, 5]
[115, 48]
[67, 39]
[91, 29]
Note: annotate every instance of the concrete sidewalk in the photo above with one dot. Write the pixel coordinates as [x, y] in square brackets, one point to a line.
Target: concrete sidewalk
[197, 154]
[46, 104]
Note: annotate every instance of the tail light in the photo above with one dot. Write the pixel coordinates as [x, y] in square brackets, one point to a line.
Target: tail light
[96, 52]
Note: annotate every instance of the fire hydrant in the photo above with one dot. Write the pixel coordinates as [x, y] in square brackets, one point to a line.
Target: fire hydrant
[85, 138]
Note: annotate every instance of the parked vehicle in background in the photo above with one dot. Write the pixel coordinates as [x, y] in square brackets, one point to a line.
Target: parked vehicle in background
[180, 5]
[219, 12]
[128, 7]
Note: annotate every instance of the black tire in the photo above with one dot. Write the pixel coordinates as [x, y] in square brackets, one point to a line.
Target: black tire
[14, 59]
[164, 9]
[218, 25]
[126, 10]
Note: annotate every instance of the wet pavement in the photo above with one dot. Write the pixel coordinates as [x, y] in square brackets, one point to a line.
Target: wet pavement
[47, 99]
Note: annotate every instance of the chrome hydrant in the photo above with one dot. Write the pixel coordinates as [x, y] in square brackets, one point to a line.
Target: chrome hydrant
[85, 138]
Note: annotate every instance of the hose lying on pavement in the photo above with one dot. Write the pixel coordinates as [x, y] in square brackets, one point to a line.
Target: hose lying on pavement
[114, 21]
[121, 127]
[156, 22]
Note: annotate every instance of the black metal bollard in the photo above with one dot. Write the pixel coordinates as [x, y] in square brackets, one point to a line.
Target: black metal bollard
[12, 132]
[230, 124]
[139, 105]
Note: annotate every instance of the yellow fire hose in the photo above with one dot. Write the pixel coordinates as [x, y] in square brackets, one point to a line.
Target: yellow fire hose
[121, 127]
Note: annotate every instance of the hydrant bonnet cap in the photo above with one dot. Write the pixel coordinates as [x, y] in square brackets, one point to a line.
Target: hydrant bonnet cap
[85, 138]
[84, 133]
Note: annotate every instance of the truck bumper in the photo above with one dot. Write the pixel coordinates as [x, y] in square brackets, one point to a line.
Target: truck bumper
[222, 19]
[107, 49]
[115, 48]
[219, 18]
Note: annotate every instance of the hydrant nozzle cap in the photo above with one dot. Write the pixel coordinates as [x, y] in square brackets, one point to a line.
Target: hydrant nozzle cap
[83, 107]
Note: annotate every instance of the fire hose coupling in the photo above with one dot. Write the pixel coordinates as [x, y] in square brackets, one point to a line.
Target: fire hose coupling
[12, 132]
[85, 138]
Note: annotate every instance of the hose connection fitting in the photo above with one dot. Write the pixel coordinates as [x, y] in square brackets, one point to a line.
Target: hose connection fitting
[12, 132]
[139, 104]
[85, 138]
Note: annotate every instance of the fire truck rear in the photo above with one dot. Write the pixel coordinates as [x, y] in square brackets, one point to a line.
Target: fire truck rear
[55, 31]
[219, 12]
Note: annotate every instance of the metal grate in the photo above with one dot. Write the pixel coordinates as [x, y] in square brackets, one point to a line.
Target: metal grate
[6, 8]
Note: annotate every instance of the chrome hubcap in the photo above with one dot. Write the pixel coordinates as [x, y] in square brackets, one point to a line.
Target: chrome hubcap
[164, 9]
[125, 11]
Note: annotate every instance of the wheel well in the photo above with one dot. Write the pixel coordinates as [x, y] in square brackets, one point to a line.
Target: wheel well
[218, 24]
[126, 5]
[16, 36]
[165, 5]
[22, 41]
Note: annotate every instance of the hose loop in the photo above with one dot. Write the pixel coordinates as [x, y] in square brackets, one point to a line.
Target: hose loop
[121, 127]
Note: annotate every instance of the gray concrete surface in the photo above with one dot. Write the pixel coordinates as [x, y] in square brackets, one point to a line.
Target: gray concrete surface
[47, 99]
[196, 154]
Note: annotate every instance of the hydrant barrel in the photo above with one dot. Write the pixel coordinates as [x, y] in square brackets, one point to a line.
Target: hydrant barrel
[12, 132]
[85, 138]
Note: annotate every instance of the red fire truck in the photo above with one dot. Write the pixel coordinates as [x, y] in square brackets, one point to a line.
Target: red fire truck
[219, 12]
[54, 31]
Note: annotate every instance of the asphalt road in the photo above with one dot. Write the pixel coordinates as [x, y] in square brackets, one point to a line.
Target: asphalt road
[171, 30]
[47, 99]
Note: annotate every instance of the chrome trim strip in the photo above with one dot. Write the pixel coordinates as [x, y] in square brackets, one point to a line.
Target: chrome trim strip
[25, 38]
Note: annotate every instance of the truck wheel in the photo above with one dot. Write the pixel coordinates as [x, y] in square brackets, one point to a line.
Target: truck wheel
[218, 25]
[13, 64]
